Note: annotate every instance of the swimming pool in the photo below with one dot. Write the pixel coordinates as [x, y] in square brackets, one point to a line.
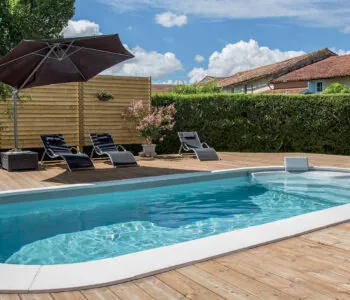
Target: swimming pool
[49, 229]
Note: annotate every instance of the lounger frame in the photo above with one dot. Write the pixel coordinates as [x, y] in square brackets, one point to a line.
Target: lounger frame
[51, 154]
[115, 147]
[186, 148]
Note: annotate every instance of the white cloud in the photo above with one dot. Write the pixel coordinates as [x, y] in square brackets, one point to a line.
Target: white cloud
[240, 56]
[330, 13]
[170, 81]
[129, 28]
[169, 19]
[346, 29]
[340, 51]
[197, 74]
[81, 28]
[199, 58]
[145, 63]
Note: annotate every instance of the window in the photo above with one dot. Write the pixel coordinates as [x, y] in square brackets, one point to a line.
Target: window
[319, 87]
[245, 88]
[232, 90]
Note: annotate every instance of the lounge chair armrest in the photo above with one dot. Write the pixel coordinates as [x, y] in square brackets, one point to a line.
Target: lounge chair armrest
[75, 149]
[98, 150]
[121, 147]
[205, 145]
[185, 147]
[50, 153]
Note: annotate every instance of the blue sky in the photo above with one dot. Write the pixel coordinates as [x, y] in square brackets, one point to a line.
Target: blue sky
[226, 35]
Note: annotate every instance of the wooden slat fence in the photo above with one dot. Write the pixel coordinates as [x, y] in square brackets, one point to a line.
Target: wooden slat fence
[74, 110]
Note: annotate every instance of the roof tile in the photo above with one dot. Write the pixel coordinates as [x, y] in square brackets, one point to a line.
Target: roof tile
[277, 69]
[332, 67]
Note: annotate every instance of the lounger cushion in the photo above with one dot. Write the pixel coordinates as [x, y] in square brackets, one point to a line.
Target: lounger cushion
[206, 154]
[122, 158]
[189, 135]
[77, 161]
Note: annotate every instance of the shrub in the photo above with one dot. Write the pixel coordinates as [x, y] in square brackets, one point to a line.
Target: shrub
[262, 123]
[337, 88]
[210, 87]
[152, 125]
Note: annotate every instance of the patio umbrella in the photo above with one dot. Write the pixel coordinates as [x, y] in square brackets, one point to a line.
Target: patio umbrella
[44, 62]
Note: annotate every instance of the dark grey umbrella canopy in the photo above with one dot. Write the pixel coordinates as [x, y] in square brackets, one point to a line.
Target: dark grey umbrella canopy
[44, 62]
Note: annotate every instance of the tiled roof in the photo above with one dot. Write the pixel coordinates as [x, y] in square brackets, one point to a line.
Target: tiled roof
[286, 91]
[276, 69]
[334, 66]
[208, 79]
[161, 88]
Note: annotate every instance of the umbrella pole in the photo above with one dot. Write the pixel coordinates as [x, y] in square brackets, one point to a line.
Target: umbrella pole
[15, 127]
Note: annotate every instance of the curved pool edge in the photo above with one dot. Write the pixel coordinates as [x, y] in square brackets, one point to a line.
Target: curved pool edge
[26, 278]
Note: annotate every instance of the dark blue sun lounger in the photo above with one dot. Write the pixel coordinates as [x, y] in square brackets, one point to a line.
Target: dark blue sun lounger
[103, 144]
[56, 147]
[191, 142]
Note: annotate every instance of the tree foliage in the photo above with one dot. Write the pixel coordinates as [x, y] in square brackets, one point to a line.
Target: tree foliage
[337, 88]
[30, 19]
[210, 87]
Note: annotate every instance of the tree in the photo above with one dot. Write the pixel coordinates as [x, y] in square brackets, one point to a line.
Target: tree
[31, 19]
[337, 88]
[208, 88]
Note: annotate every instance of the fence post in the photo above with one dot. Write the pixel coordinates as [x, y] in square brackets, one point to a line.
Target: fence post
[81, 116]
[150, 92]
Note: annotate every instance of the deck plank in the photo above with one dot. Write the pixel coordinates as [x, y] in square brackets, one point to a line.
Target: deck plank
[100, 293]
[43, 296]
[242, 281]
[157, 289]
[129, 291]
[215, 284]
[186, 286]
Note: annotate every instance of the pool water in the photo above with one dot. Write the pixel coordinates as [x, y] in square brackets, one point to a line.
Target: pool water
[97, 226]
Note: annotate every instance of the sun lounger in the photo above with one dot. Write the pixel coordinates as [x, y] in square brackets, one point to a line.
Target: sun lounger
[191, 142]
[56, 147]
[103, 144]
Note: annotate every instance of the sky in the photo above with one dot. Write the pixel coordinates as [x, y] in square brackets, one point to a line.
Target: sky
[185, 40]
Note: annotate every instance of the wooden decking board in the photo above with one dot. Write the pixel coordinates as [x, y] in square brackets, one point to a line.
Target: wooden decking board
[242, 281]
[311, 266]
[216, 284]
[158, 289]
[294, 289]
[101, 294]
[186, 286]
[130, 291]
[295, 272]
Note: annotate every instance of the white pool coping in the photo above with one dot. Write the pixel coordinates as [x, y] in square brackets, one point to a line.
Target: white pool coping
[25, 278]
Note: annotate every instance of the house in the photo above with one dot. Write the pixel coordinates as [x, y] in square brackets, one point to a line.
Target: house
[162, 88]
[318, 76]
[259, 79]
[208, 79]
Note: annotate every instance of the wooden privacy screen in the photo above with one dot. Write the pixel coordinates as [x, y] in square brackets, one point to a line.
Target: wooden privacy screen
[74, 110]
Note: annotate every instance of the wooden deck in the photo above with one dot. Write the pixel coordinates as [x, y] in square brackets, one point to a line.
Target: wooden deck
[312, 266]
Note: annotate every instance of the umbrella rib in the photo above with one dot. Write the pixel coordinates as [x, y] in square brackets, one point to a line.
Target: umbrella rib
[109, 52]
[37, 67]
[81, 74]
[18, 58]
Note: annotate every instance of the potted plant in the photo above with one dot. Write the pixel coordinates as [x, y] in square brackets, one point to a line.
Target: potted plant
[104, 96]
[151, 123]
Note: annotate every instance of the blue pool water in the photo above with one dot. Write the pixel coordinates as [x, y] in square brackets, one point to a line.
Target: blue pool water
[70, 230]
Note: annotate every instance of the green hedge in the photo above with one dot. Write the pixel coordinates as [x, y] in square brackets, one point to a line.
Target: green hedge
[262, 123]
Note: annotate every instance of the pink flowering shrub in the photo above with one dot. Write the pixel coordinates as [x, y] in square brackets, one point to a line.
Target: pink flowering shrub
[154, 124]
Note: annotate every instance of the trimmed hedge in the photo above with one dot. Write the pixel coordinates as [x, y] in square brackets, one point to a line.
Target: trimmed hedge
[262, 123]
